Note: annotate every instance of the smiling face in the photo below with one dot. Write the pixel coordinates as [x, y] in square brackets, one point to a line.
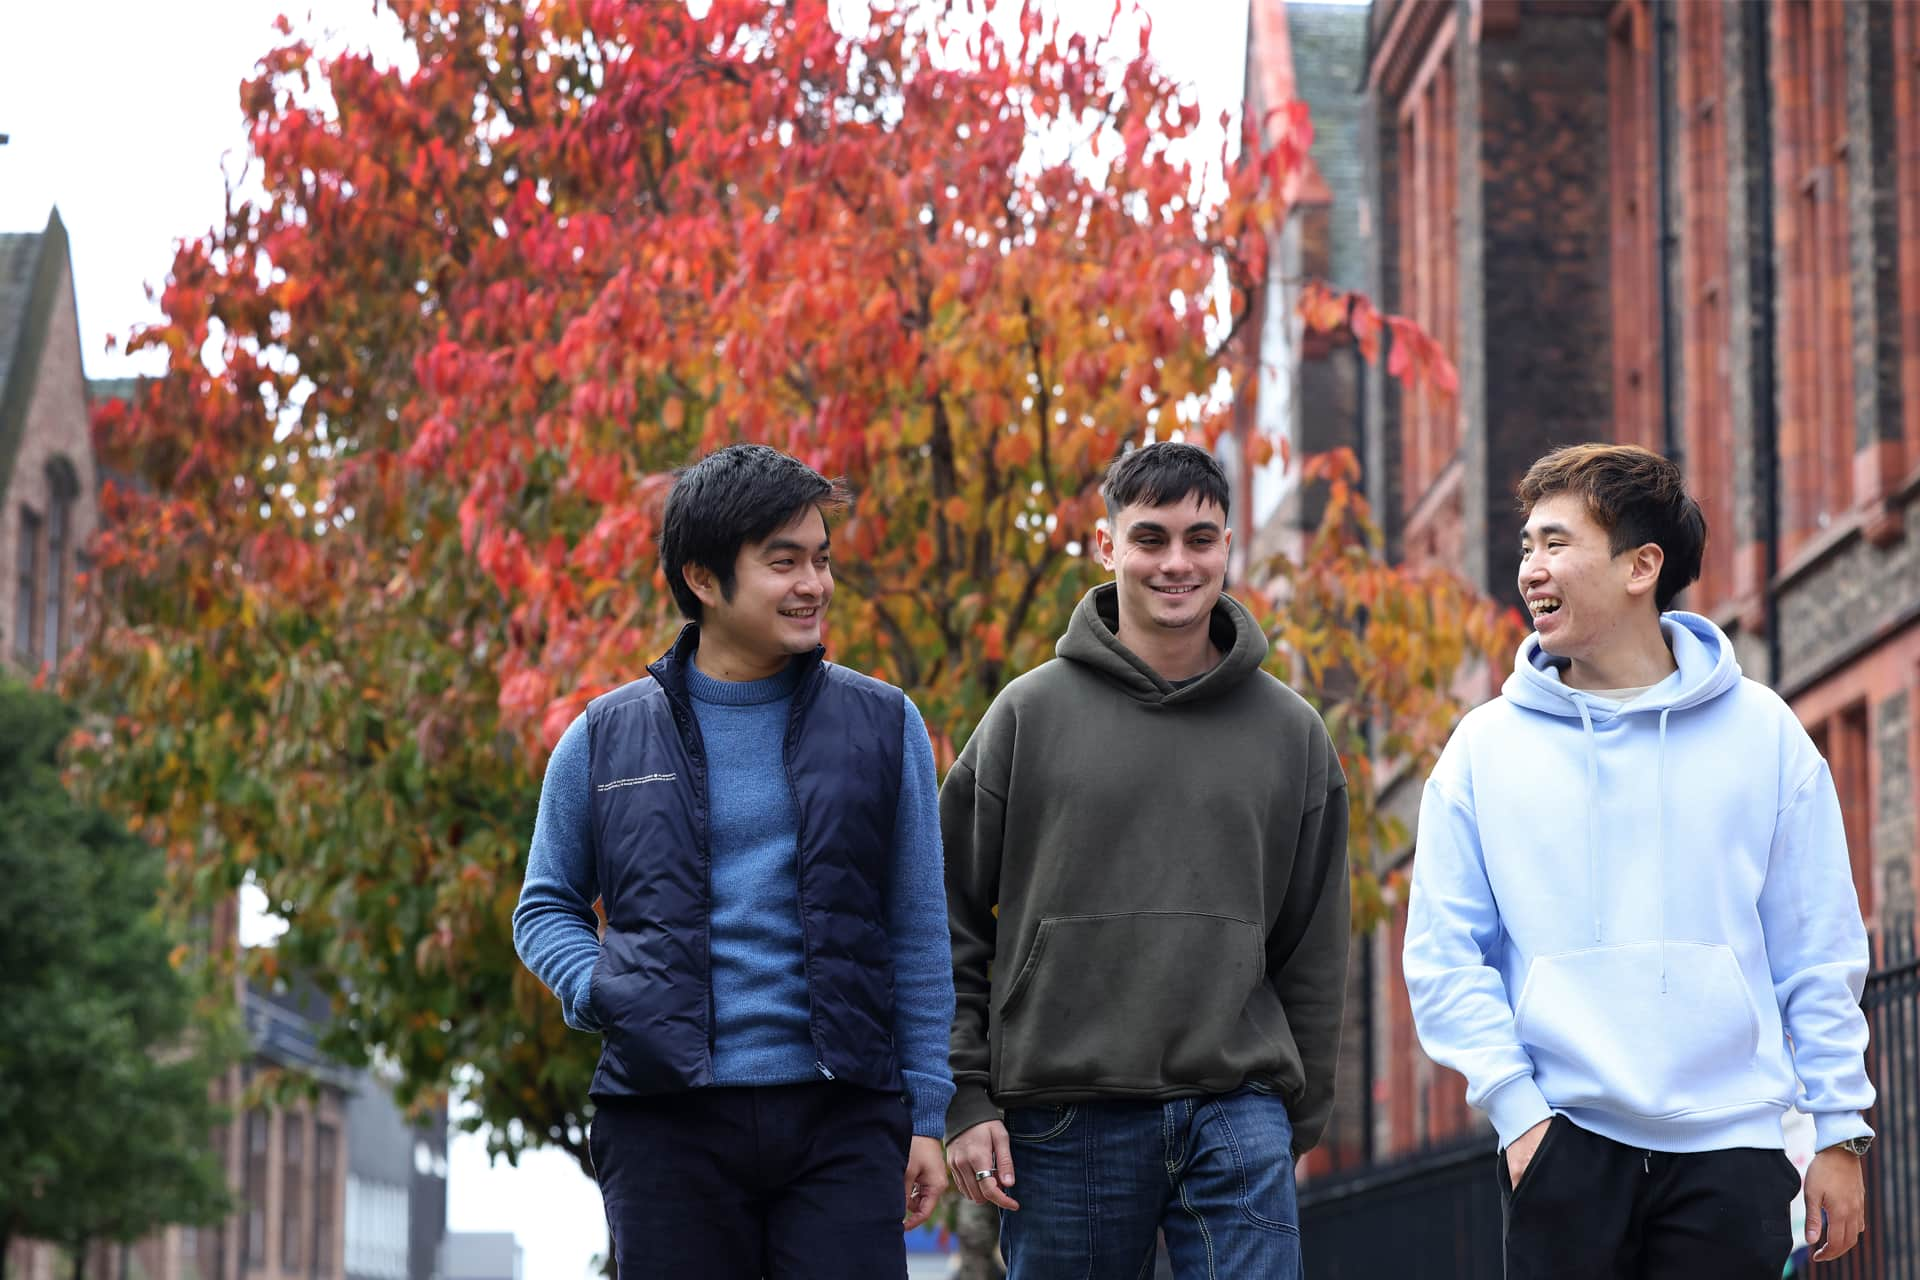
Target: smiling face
[782, 585]
[1584, 599]
[1169, 562]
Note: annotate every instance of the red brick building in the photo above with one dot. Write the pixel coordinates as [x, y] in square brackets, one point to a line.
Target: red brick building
[1692, 225]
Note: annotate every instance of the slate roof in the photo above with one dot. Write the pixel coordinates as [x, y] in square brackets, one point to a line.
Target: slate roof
[1329, 66]
[19, 255]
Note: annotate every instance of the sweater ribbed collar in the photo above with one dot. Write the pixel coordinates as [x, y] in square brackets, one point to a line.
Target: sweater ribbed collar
[702, 687]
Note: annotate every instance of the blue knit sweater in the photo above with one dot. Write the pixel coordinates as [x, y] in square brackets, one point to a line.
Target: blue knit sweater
[759, 988]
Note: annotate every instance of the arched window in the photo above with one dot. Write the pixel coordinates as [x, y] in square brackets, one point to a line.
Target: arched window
[63, 486]
[26, 601]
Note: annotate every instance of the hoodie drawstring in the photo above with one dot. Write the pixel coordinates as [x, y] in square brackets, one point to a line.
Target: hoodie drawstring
[1660, 826]
[1660, 843]
[1593, 807]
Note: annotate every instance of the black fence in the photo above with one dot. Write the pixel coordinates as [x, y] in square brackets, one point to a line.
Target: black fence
[1891, 1248]
[1436, 1215]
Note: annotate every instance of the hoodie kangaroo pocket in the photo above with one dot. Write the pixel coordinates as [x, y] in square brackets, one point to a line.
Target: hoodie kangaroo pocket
[1603, 1033]
[1128, 1000]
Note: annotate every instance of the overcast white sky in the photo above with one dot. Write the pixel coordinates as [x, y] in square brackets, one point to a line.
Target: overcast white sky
[121, 112]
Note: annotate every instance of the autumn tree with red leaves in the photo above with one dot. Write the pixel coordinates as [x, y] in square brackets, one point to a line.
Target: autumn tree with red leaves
[393, 504]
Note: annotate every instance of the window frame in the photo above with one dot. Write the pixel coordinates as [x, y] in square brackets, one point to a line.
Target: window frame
[293, 1179]
[1634, 231]
[1813, 241]
[1428, 204]
[26, 602]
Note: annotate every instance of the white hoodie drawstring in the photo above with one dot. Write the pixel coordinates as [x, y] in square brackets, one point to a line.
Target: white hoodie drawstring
[1660, 827]
[1660, 819]
[1593, 791]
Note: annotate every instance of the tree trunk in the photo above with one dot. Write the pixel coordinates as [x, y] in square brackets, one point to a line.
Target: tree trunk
[80, 1262]
[976, 1228]
[6, 1246]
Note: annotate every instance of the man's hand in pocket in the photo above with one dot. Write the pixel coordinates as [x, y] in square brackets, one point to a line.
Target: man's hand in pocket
[1520, 1152]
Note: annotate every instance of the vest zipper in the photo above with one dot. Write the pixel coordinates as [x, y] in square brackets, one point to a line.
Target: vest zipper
[800, 699]
[699, 754]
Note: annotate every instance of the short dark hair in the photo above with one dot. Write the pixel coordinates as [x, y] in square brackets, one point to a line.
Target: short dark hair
[733, 496]
[1165, 471]
[1637, 496]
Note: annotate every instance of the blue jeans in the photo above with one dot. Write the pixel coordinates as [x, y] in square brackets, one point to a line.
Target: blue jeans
[1096, 1182]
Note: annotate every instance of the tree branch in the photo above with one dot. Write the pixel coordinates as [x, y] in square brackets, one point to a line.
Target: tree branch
[1017, 617]
[1043, 402]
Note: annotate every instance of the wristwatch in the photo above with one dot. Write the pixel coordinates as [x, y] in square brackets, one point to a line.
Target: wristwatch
[1858, 1146]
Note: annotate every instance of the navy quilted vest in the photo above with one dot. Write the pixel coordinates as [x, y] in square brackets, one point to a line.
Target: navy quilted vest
[651, 986]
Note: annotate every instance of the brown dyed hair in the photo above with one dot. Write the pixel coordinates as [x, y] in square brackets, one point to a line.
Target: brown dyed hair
[1636, 495]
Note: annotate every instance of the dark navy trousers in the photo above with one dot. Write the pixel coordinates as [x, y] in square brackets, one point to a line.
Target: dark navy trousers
[787, 1182]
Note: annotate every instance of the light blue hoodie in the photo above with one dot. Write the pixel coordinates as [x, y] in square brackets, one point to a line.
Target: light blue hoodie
[1642, 915]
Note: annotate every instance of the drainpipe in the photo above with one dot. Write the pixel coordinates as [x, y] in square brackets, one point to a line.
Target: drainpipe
[1766, 415]
[1662, 16]
[1360, 416]
[1368, 1148]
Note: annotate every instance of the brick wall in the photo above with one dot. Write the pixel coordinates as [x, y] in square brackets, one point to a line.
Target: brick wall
[1905, 247]
[1853, 584]
[297, 1175]
[1841, 605]
[1814, 178]
[1874, 259]
[1471, 356]
[1545, 287]
[1381, 461]
[1634, 173]
[1895, 829]
[1752, 392]
[1702, 290]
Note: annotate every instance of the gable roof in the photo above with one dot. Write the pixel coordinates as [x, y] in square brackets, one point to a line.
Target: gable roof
[33, 266]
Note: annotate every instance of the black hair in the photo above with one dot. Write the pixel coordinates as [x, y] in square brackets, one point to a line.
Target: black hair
[1156, 474]
[736, 495]
[1634, 494]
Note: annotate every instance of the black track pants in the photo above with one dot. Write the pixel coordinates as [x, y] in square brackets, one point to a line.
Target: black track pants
[1588, 1208]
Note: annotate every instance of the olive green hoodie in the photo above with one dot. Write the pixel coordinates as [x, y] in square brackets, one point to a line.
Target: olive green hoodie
[1147, 885]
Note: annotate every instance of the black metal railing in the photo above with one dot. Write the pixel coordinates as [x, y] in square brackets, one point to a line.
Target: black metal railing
[1891, 1248]
[1431, 1216]
[1435, 1215]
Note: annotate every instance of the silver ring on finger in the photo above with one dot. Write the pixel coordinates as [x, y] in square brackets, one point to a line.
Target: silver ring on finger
[981, 1175]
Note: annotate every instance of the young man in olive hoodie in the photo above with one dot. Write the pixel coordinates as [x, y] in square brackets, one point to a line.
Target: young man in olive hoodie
[1147, 889]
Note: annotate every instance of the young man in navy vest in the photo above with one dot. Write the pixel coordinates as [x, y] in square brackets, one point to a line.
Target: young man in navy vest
[773, 988]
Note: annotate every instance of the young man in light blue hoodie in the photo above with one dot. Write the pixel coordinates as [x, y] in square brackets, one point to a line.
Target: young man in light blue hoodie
[1633, 926]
